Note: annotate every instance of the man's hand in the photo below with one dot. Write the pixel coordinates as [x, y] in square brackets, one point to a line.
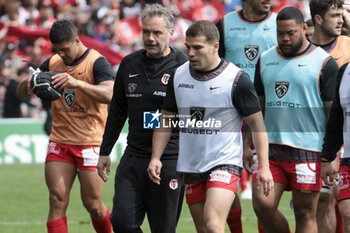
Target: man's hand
[42, 86]
[328, 173]
[346, 18]
[104, 162]
[63, 80]
[264, 180]
[154, 168]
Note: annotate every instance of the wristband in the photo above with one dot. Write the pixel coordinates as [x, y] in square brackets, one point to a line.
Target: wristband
[81, 84]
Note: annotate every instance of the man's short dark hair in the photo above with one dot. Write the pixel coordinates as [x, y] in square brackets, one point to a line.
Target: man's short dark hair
[293, 13]
[63, 31]
[310, 23]
[204, 28]
[23, 70]
[320, 7]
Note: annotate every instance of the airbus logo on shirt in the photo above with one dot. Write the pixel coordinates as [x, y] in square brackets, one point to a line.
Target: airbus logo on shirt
[184, 85]
[159, 93]
[272, 64]
[237, 29]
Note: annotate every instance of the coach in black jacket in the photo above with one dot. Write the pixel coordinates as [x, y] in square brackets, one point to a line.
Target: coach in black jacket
[139, 90]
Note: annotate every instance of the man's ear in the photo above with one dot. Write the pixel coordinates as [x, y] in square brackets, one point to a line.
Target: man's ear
[171, 32]
[216, 46]
[305, 27]
[76, 39]
[318, 19]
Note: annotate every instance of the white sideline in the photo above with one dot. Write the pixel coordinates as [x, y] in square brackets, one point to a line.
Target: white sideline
[23, 223]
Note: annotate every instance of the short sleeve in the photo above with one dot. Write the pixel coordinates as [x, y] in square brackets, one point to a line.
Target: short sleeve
[244, 96]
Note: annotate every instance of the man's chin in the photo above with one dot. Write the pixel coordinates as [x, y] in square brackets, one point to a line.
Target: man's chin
[287, 52]
[336, 33]
[67, 62]
[264, 10]
[196, 67]
[153, 54]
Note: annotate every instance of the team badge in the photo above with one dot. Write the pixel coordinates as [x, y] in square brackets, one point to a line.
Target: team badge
[343, 181]
[251, 51]
[188, 188]
[197, 113]
[281, 88]
[132, 87]
[69, 97]
[165, 79]
[173, 184]
[53, 148]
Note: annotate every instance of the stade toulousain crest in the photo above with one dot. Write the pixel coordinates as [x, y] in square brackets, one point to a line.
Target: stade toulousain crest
[173, 184]
[165, 79]
[281, 88]
[251, 51]
[69, 97]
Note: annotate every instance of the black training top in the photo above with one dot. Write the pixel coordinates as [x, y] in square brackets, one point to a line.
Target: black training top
[140, 86]
[334, 133]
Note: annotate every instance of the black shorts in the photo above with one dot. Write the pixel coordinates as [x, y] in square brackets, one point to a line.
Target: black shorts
[136, 194]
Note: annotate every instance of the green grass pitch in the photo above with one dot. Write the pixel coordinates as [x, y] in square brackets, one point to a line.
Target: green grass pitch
[24, 204]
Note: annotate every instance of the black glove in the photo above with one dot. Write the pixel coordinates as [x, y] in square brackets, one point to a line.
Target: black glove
[41, 86]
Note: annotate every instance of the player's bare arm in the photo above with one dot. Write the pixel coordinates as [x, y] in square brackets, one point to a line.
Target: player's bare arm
[328, 171]
[262, 103]
[23, 89]
[260, 139]
[159, 141]
[101, 92]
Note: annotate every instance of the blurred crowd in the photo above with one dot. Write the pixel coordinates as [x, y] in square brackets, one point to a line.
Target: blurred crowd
[114, 23]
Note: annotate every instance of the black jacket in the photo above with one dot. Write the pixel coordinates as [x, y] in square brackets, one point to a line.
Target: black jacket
[140, 86]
